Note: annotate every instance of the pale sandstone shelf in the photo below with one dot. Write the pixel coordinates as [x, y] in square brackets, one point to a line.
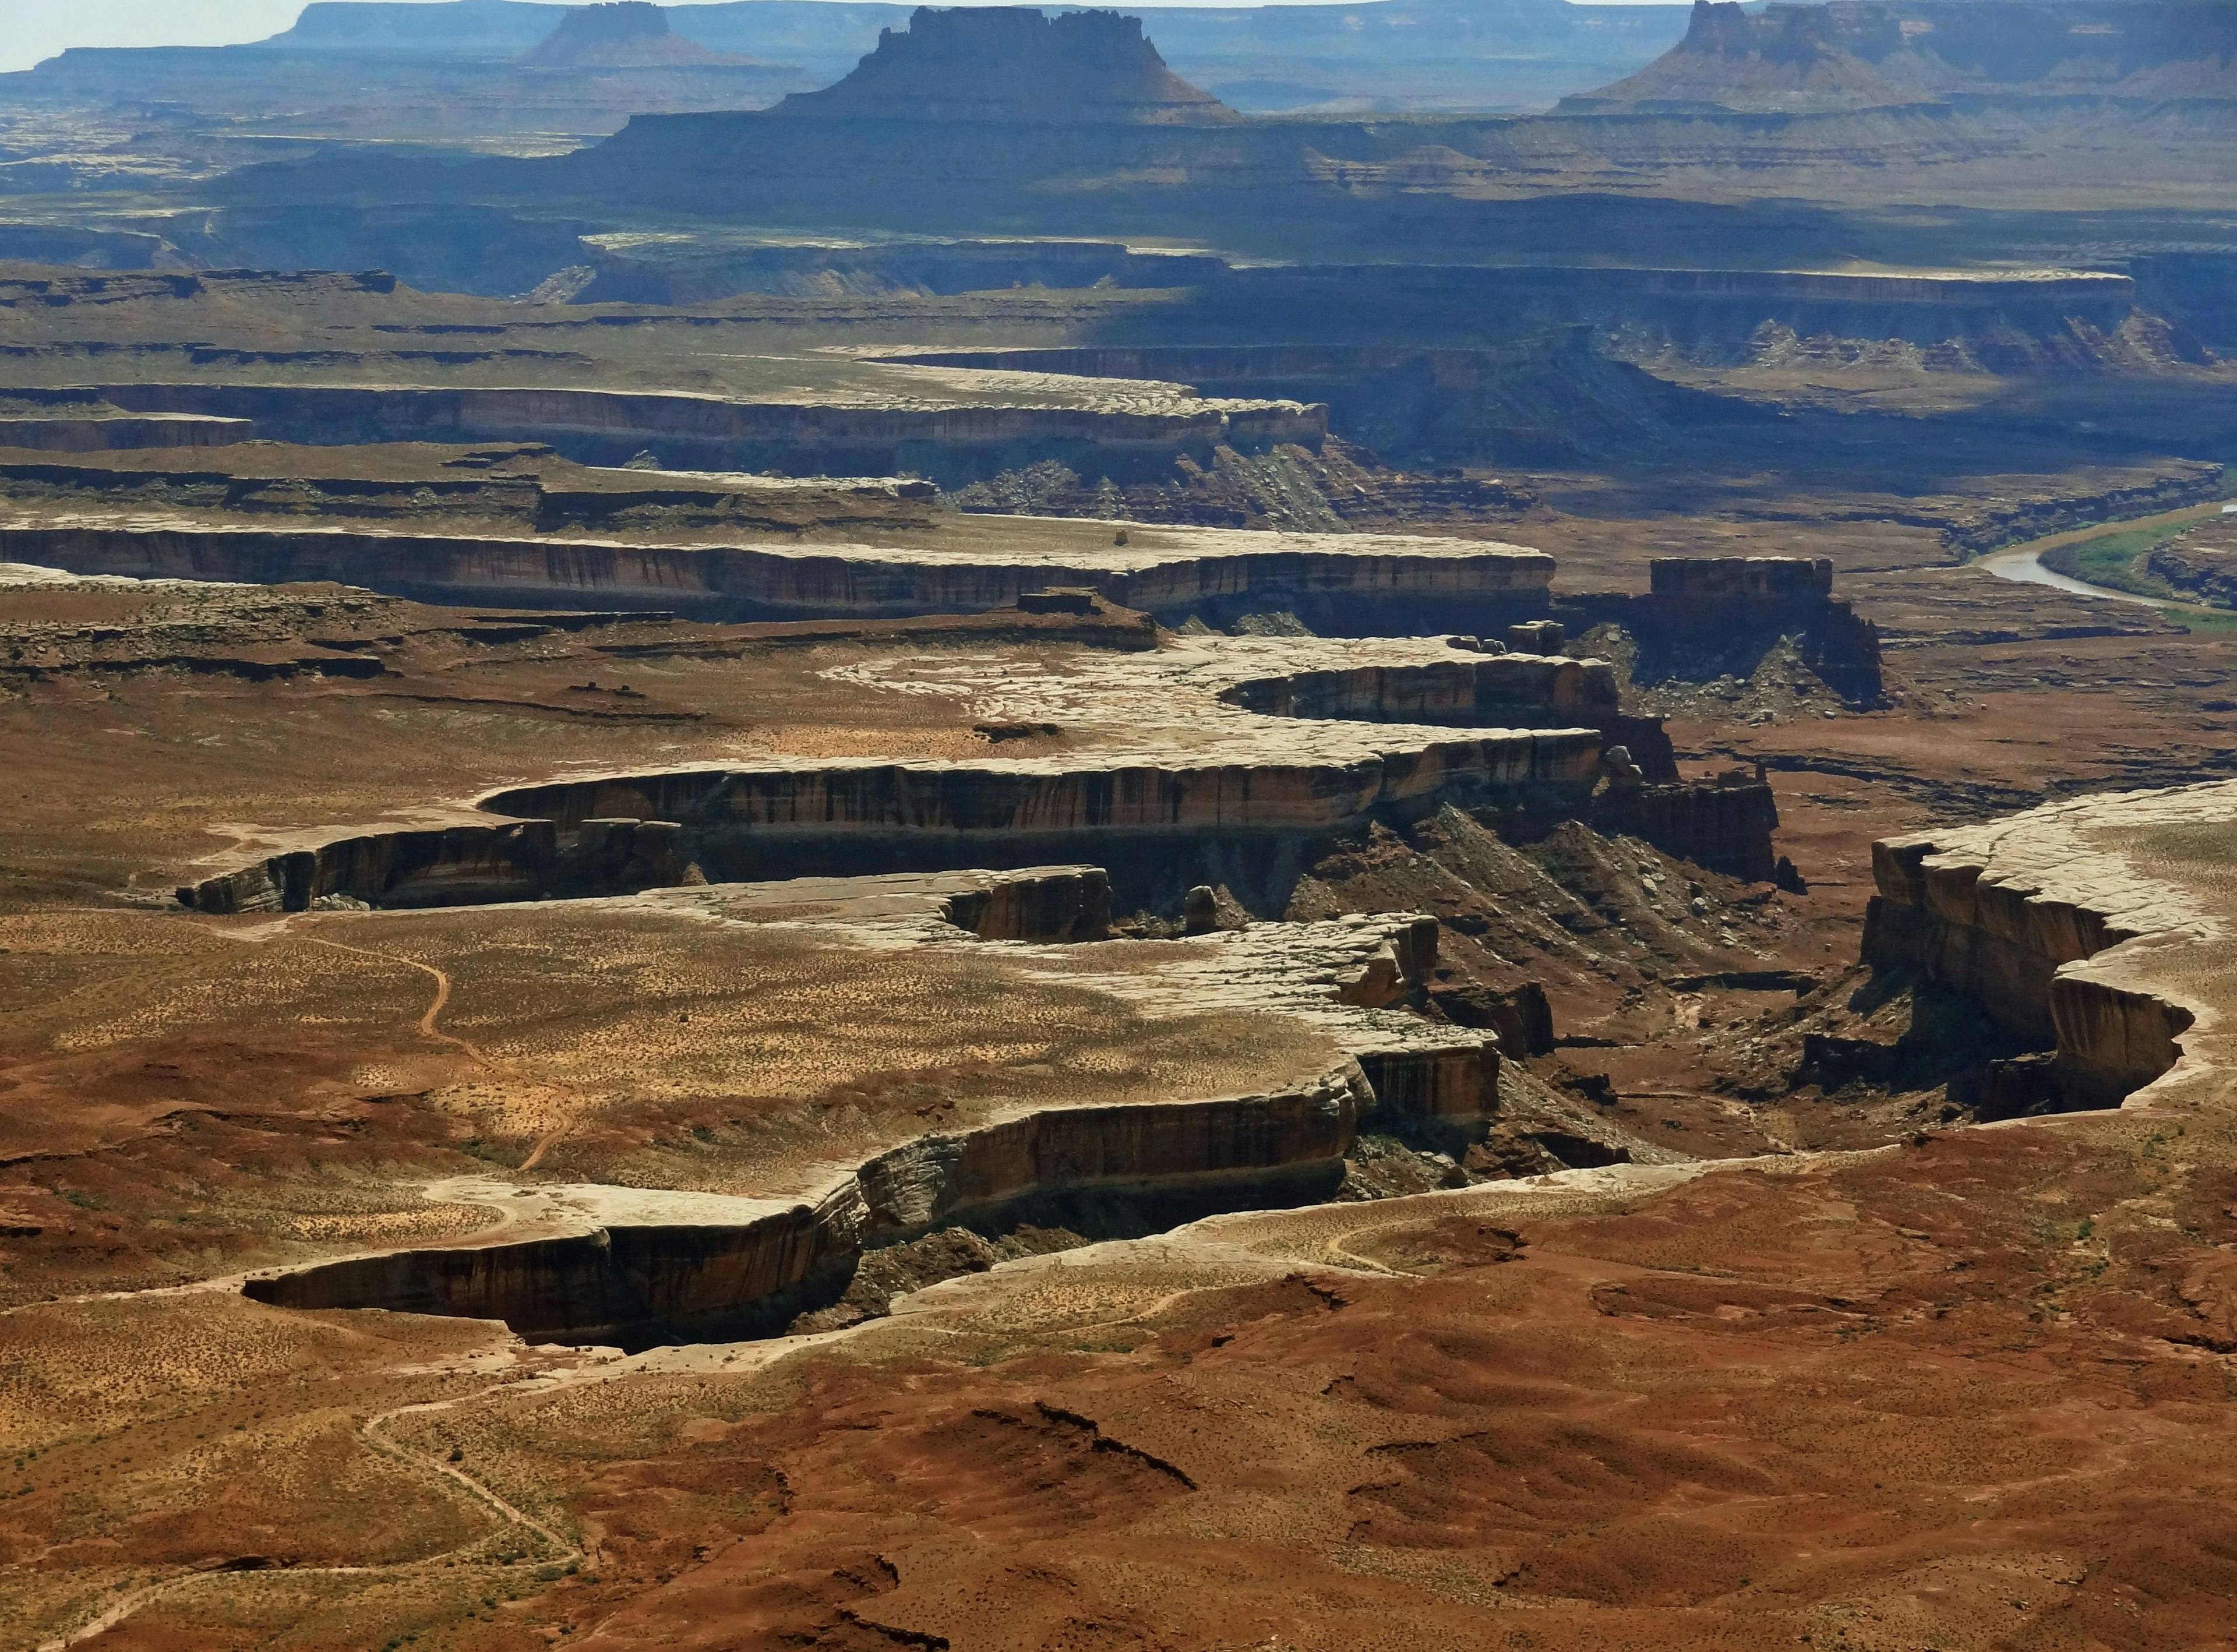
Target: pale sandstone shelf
[2061, 924]
[1160, 759]
[1396, 582]
[857, 406]
[585, 1263]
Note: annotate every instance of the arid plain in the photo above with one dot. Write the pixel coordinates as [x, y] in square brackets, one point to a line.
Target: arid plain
[999, 855]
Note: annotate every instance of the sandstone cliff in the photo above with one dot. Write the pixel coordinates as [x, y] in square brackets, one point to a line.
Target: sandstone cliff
[617, 34]
[1715, 614]
[1861, 54]
[855, 438]
[2200, 562]
[2054, 921]
[1010, 64]
[1354, 584]
[1116, 1168]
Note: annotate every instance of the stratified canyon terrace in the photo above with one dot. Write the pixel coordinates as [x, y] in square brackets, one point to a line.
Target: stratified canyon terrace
[1321, 828]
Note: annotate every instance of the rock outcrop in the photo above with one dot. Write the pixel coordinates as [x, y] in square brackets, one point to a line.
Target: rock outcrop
[1551, 398]
[713, 1267]
[1286, 488]
[61, 434]
[617, 34]
[1185, 784]
[1707, 614]
[2179, 482]
[2199, 562]
[1103, 1169]
[1010, 65]
[1523, 691]
[1159, 827]
[1873, 54]
[2056, 923]
[1338, 582]
[1724, 825]
[463, 865]
[953, 442]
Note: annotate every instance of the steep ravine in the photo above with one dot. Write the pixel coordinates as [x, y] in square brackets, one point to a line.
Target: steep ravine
[1099, 1172]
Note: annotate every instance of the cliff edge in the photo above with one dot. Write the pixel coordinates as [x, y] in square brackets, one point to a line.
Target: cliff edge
[1875, 54]
[1011, 64]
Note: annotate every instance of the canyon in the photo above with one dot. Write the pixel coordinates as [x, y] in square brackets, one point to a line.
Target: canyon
[1312, 828]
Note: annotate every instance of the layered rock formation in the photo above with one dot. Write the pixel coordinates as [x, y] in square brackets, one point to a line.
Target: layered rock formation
[640, 1286]
[94, 434]
[1999, 522]
[661, 274]
[1860, 54]
[1198, 789]
[1519, 688]
[1725, 825]
[1704, 614]
[2199, 562]
[1354, 582]
[2056, 923]
[1288, 486]
[713, 432]
[1550, 399]
[1011, 65]
[653, 1267]
[1159, 827]
[617, 34]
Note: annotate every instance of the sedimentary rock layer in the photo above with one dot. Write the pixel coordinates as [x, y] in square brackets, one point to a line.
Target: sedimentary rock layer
[2055, 929]
[607, 426]
[1695, 599]
[1525, 689]
[724, 1267]
[640, 1285]
[61, 434]
[1343, 584]
[1861, 54]
[1173, 778]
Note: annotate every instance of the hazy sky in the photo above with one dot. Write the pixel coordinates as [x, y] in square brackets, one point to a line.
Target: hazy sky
[31, 30]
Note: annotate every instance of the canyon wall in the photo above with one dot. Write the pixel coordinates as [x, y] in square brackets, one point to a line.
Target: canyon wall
[2031, 919]
[2200, 562]
[463, 865]
[1519, 689]
[1158, 829]
[1997, 320]
[955, 443]
[1545, 398]
[1374, 591]
[1095, 1170]
[1724, 826]
[1713, 608]
[63, 434]
[1054, 904]
[1511, 690]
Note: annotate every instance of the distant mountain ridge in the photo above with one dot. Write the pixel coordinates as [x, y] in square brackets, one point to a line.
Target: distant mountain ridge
[617, 34]
[1381, 53]
[1877, 54]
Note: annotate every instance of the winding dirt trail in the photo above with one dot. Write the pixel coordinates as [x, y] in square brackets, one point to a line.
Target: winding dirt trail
[429, 1030]
[561, 1549]
[427, 1027]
